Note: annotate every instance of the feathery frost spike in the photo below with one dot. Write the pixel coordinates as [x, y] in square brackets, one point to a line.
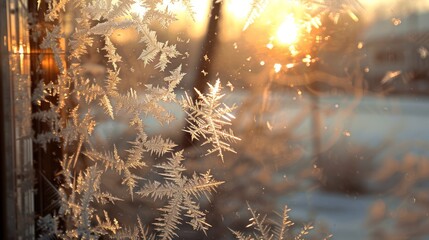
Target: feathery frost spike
[51, 41]
[159, 146]
[259, 223]
[264, 232]
[180, 192]
[155, 48]
[86, 191]
[55, 8]
[107, 226]
[105, 103]
[257, 8]
[112, 56]
[207, 118]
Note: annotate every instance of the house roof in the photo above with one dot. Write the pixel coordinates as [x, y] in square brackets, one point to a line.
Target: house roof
[415, 26]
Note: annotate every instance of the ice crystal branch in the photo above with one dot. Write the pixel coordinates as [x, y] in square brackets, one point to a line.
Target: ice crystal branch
[134, 104]
[55, 8]
[180, 192]
[78, 130]
[265, 232]
[81, 39]
[155, 48]
[51, 41]
[137, 232]
[78, 205]
[111, 160]
[257, 7]
[112, 55]
[207, 118]
[258, 222]
[48, 226]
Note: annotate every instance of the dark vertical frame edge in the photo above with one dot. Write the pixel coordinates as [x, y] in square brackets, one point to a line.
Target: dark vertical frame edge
[7, 137]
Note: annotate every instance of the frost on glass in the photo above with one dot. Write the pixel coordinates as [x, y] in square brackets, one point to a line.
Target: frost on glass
[156, 169]
[206, 119]
[74, 100]
[271, 229]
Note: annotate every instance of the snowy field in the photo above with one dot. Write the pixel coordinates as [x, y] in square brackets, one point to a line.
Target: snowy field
[345, 216]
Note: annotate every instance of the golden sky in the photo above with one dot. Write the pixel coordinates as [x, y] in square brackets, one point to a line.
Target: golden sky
[236, 11]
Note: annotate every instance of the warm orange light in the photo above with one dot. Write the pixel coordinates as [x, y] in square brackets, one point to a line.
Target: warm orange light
[195, 25]
[21, 49]
[239, 9]
[277, 67]
[288, 31]
[200, 9]
[293, 51]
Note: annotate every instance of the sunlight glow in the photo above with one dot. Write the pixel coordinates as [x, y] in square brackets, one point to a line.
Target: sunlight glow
[293, 51]
[290, 65]
[21, 49]
[201, 9]
[277, 67]
[239, 9]
[138, 9]
[288, 31]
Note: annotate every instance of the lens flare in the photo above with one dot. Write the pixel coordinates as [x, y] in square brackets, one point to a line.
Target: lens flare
[277, 67]
[288, 31]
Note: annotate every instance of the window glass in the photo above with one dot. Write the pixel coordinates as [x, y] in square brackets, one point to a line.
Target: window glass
[198, 118]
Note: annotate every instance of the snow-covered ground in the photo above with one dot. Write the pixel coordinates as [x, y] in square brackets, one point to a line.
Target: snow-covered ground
[345, 216]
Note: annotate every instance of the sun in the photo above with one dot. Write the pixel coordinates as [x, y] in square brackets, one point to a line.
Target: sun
[288, 31]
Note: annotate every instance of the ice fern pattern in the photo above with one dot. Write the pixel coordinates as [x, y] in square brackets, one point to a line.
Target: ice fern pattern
[85, 191]
[207, 118]
[77, 101]
[79, 96]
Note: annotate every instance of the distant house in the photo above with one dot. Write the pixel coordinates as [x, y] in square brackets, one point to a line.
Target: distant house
[397, 49]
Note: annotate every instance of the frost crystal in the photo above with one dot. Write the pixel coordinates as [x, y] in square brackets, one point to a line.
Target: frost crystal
[207, 118]
[181, 192]
[265, 232]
